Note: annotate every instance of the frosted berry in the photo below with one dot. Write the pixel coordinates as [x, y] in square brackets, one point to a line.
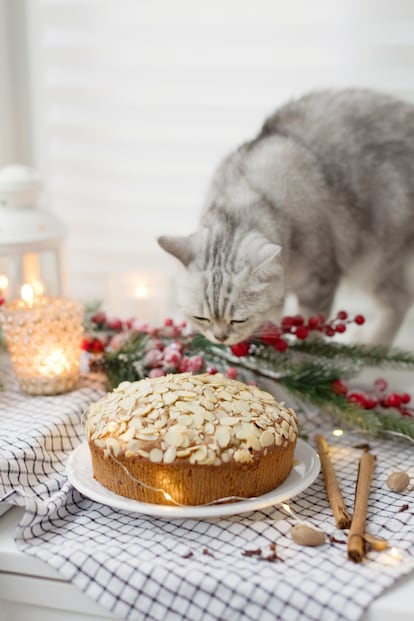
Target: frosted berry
[99, 318]
[381, 384]
[114, 323]
[156, 373]
[195, 363]
[232, 373]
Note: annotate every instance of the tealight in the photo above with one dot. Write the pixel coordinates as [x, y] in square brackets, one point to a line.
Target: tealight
[43, 337]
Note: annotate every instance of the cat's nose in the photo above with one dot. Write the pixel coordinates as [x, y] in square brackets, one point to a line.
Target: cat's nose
[221, 338]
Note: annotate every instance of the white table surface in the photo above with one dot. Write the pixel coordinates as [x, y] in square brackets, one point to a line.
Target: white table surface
[43, 586]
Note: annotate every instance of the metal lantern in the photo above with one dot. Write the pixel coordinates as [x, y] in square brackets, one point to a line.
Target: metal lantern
[31, 238]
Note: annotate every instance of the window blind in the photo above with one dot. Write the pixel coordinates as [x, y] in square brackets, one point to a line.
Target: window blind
[136, 101]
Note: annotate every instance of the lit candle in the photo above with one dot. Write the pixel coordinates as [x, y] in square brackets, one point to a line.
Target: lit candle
[43, 337]
[147, 296]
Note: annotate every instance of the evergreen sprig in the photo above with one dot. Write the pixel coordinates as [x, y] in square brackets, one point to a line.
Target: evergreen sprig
[307, 370]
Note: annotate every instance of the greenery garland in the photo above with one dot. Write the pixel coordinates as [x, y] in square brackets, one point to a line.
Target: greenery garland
[313, 369]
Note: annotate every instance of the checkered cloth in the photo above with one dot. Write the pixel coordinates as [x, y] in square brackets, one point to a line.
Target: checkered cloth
[145, 568]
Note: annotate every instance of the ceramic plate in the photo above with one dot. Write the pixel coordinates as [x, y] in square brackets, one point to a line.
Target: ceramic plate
[79, 471]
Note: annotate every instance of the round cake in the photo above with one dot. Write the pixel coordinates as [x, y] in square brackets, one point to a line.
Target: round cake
[190, 440]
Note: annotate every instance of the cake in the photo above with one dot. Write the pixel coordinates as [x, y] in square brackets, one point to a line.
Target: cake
[190, 439]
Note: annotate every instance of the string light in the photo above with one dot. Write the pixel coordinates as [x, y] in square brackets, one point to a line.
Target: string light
[338, 433]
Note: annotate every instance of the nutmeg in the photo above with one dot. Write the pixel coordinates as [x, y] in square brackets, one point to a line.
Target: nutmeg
[307, 536]
[398, 481]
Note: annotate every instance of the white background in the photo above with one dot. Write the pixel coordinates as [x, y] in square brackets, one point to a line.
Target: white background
[126, 106]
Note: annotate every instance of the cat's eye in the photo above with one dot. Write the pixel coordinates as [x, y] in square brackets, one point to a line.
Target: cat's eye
[234, 321]
[200, 318]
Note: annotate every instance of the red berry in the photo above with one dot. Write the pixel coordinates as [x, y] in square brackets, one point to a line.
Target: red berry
[97, 346]
[2, 301]
[359, 319]
[405, 397]
[339, 387]
[302, 332]
[342, 315]
[212, 370]
[281, 345]
[358, 398]
[370, 403]
[298, 320]
[393, 400]
[269, 334]
[168, 322]
[329, 331]
[340, 327]
[287, 323]
[86, 344]
[240, 349]
[313, 323]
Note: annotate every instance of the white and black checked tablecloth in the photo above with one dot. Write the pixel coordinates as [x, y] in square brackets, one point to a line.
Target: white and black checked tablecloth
[147, 568]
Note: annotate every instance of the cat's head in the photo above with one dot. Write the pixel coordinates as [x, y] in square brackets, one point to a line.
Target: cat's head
[227, 287]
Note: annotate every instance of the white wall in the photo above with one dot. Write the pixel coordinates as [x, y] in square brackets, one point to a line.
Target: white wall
[135, 102]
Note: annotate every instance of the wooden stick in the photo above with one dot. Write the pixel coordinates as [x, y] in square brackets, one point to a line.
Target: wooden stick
[356, 543]
[341, 515]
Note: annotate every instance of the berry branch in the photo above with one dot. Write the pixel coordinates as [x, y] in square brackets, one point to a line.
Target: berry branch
[298, 354]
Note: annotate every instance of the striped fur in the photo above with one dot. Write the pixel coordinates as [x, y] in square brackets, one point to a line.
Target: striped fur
[325, 191]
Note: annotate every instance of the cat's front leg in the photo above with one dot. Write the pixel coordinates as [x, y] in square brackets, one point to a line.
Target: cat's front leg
[316, 295]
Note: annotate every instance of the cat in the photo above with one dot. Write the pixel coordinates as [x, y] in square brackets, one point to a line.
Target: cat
[324, 191]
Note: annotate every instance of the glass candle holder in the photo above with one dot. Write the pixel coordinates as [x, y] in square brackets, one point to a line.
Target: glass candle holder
[43, 337]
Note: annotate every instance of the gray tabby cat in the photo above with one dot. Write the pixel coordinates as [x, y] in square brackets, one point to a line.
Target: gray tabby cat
[326, 190]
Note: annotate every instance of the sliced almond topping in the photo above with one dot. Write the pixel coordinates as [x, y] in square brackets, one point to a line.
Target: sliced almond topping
[223, 436]
[170, 454]
[267, 438]
[156, 455]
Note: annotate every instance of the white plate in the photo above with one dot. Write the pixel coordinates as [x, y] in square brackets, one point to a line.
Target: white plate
[79, 471]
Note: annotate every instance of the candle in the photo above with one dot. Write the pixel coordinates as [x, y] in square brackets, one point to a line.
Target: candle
[43, 336]
[147, 296]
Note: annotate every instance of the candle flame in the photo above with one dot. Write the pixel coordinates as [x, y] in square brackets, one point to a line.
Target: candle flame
[141, 291]
[4, 281]
[53, 363]
[27, 294]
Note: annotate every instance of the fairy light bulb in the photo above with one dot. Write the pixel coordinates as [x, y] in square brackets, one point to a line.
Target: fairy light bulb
[338, 433]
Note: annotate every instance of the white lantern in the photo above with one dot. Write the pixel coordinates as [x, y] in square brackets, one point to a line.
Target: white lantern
[31, 238]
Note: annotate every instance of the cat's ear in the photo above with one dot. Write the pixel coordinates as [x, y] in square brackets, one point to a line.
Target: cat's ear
[180, 247]
[268, 263]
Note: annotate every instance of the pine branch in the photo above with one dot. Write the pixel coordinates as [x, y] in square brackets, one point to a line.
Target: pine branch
[367, 355]
[271, 364]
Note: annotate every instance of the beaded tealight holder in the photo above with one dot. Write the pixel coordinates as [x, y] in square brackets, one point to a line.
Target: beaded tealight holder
[43, 337]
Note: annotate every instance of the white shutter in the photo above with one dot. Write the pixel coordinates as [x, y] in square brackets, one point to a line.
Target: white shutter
[136, 101]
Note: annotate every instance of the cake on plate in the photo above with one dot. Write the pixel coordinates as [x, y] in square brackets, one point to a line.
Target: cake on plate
[190, 440]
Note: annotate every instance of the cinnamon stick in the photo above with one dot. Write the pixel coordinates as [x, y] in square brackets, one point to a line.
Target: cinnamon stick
[356, 543]
[341, 515]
